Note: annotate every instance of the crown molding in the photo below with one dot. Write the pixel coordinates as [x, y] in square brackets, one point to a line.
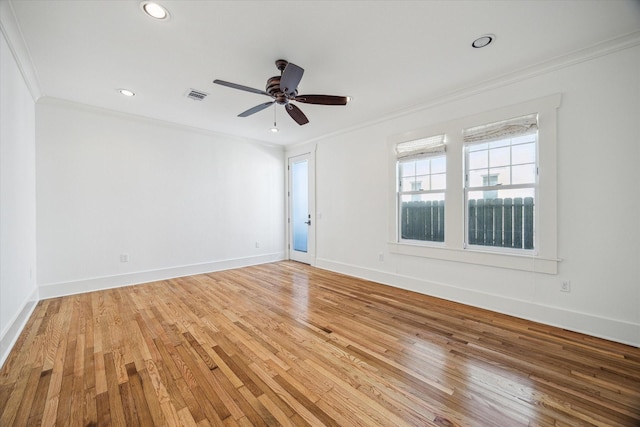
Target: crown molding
[589, 53]
[13, 35]
[77, 106]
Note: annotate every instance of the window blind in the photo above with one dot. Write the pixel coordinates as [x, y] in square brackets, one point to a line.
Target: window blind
[432, 146]
[503, 129]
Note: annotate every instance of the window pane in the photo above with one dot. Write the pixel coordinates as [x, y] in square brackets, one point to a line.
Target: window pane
[415, 175]
[438, 181]
[503, 175]
[438, 164]
[477, 178]
[439, 196]
[500, 143]
[407, 184]
[478, 159]
[422, 217]
[489, 180]
[408, 168]
[524, 174]
[503, 194]
[498, 215]
[500, 157]
[478, 147]
[524, 139]
[505, 219]
[422, 167]
[421, 183]
[300, 207]
[524, 153]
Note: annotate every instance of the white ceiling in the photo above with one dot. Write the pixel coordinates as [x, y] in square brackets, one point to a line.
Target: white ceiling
[388, 55]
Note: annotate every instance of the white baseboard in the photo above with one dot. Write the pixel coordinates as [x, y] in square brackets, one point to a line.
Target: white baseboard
[601, 327]
[12, 332]
[53, 290]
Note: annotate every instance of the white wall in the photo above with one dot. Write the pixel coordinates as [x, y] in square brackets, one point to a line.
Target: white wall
[598, 202]
[18, 291]
[176, 200]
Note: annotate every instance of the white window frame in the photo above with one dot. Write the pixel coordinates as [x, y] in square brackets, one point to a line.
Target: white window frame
[544, 258]
[497, 187]
[429, 148]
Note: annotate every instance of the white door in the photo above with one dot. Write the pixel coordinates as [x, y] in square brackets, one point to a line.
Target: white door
[301, 221]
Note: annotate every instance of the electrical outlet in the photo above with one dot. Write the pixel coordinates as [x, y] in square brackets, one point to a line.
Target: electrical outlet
[257, 245]
[566, 286]
[381, 257]
[124, 257]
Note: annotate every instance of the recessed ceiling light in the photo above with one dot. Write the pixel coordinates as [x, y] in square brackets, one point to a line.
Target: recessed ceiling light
[154, 10]
[483, 41]
[274, 129]
[126, 92]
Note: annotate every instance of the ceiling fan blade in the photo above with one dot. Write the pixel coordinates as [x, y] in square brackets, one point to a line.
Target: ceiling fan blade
[323, 99]
[241, 87]
[290, 79]
[296, 114]
[255, 109]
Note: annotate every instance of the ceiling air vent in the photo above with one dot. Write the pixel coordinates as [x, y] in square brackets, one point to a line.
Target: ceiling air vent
[196, 95]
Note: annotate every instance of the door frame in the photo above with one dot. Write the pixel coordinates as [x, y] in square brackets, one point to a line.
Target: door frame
[310, 153]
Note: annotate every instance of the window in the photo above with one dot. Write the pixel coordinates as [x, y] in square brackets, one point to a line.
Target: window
[494, 188]
[421, 176]
[500, 183]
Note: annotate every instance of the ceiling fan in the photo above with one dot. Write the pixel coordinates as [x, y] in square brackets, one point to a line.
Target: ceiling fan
[284, 89]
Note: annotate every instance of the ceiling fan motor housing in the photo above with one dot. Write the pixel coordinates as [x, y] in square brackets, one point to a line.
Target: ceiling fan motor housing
[273, 89]
[273, 86]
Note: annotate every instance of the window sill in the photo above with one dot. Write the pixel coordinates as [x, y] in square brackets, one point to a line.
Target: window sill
[527, 262]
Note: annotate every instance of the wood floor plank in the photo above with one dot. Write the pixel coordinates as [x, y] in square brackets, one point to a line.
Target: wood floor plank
[138, 398]
[128, 405]
[39, 400]
[200, 374]
[287, 344]
[103, 410]
[27, 398]
[113, 391]
[151, 398]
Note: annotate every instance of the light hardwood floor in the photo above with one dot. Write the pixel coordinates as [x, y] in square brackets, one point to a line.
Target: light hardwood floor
[287, 344]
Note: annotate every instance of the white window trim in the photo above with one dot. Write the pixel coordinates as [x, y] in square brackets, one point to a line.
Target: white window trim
[487, 134]
[544, 258]
[426, 148]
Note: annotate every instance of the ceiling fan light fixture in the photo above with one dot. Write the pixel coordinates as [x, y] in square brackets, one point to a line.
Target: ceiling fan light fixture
[154, 10]
[483, 41]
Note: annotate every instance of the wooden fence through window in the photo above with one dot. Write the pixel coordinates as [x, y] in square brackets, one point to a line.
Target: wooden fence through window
[422, 221]
[504, 223]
